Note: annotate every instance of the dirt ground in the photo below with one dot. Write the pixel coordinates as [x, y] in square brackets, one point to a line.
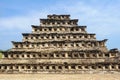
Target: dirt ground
[59, 76]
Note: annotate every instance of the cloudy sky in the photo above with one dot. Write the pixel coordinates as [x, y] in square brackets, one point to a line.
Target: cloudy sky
[100, 16]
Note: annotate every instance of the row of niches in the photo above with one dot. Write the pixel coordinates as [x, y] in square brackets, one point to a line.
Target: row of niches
[60, 45]
[55, 23]
[59, 37]
[61, 67]
[59, 29]
[60, 17]
[62, 56]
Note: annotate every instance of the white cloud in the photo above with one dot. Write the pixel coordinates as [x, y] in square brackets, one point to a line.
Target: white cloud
[104, 21]
[21, 22]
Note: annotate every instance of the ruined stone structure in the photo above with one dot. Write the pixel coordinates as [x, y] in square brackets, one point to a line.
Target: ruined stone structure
[60, 45]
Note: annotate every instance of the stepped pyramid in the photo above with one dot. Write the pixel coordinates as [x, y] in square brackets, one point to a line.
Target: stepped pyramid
[60, 45]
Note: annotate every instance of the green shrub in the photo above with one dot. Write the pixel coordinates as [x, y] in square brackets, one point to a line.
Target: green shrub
[0, 55]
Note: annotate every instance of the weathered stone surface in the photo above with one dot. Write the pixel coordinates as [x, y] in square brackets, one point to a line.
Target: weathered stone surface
[59, 77]
[60, 47]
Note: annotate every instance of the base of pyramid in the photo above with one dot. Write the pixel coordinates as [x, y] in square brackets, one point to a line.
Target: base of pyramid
[59, 76]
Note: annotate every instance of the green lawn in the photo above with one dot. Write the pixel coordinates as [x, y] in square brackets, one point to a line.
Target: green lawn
[0, 55]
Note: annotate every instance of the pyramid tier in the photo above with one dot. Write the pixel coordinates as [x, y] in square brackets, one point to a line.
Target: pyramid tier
[78, 54]
[46, 37]
[58, 17]
[60, 68]
[58, 29]
[58, 61]
[60, 45]
[56, 22]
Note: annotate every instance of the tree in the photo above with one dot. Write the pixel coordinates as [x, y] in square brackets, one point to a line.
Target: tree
[1, 53]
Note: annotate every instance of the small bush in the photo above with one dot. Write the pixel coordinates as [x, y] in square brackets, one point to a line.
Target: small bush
[0, 55]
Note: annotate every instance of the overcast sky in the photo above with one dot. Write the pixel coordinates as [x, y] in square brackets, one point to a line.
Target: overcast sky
[100, 16]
